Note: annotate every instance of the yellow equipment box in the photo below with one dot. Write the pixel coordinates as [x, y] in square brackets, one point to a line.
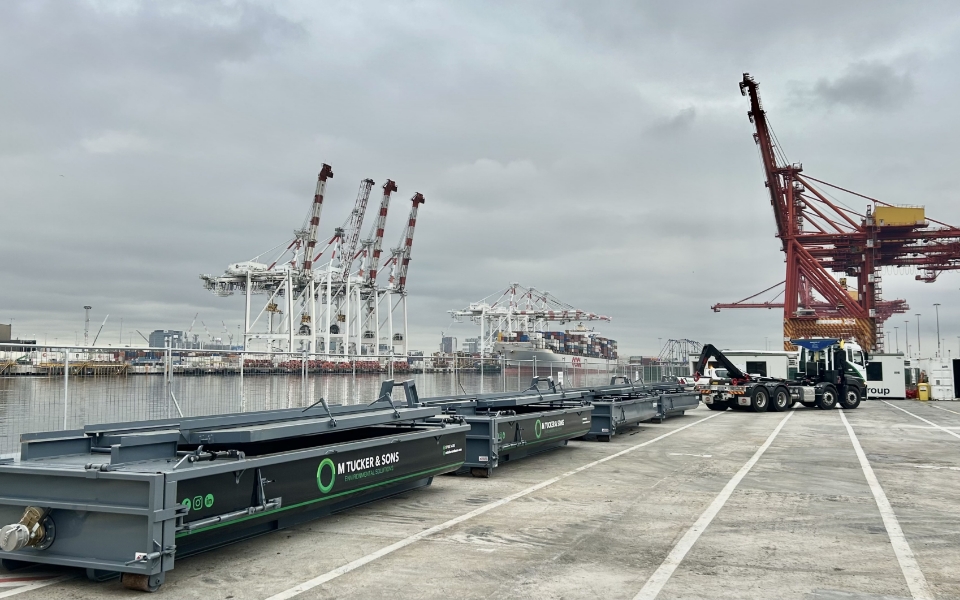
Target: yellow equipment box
[899, 215]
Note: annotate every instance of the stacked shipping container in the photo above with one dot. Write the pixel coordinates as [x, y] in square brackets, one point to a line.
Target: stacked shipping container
[579, 344]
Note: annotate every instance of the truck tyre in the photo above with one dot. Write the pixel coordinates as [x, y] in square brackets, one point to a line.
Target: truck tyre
[781, 400]
[851, 399]
[759, 399]
[828, 398]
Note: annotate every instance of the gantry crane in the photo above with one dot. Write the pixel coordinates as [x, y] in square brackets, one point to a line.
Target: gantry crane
[336, 308]
[819, 235]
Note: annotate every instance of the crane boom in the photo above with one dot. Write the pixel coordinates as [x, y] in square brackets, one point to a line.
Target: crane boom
[774, 174]
[401, 254]
[100, 330]
[209, 335]
[326, 172]
[374, 241]
[352, 228]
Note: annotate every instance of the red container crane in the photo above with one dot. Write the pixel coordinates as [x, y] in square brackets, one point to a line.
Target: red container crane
[820, 235]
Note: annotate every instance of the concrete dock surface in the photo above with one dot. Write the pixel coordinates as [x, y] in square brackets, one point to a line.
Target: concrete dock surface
[806, 504]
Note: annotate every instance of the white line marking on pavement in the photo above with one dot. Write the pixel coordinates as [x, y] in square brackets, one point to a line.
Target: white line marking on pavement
[946, 409]
[936, 467]
[36, 586]
[684, 454]
[908, 563]
[660, 577]
[943, 429]
[912, 426]
[356, 564]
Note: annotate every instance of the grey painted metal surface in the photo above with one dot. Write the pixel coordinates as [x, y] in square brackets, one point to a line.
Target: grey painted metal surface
[509, 426]
[674, 405]
[133, 497]
[624, 403]
[499, 436]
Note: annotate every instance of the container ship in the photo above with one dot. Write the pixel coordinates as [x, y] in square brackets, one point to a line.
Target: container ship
[515, 323]
[577, 348]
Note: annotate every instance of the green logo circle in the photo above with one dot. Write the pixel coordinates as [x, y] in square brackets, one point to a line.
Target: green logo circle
[208, 500]
[186, 502]
[333, 475]
[538, 428]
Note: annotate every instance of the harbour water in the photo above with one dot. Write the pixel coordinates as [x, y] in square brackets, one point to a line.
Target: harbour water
[31, 404]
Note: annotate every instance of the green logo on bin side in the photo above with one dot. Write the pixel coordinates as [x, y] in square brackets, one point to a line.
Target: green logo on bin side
[538, 428]
[198, 502]
[326, 487]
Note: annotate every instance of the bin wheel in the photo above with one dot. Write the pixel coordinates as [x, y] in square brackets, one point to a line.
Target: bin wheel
[480, 472]
[851, 399]
[781, 400]
[759, 399]
[718, 405]
[603, 438]
[142, 583]
[828, 398]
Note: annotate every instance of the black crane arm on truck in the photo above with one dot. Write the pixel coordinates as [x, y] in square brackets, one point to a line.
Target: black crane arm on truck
[711, 351]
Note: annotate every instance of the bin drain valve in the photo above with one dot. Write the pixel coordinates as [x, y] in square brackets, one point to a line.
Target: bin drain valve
[35, 529]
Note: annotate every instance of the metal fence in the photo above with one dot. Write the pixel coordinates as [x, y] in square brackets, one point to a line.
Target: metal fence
[654, 372]
[47, 388]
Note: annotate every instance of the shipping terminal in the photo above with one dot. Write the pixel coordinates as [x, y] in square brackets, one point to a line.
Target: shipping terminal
[305, 459]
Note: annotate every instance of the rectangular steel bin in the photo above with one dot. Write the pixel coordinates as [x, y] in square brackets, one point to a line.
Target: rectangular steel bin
[131, 498]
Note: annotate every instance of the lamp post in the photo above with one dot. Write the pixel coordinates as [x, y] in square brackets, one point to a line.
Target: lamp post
[896, 337]
[918, 336]
[906, 336]
[936, 306]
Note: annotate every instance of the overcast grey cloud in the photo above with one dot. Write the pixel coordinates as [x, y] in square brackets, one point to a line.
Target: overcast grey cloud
[598, 150]
[864, 85]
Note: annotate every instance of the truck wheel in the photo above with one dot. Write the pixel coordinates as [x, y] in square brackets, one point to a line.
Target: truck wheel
[759, 399]
[781, 399]
[828, 398]
[718, 405]
[852, 398]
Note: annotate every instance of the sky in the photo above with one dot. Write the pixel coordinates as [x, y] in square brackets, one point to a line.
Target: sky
[600, 151]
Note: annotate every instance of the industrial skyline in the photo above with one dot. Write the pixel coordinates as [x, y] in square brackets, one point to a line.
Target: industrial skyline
[558, 146]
